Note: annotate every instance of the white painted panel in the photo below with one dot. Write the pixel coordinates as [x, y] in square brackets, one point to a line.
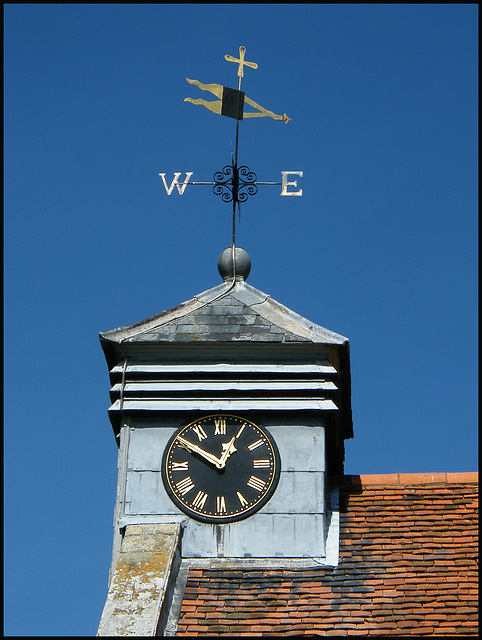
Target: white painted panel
[183, 404]
[225, 385]
[326, 367]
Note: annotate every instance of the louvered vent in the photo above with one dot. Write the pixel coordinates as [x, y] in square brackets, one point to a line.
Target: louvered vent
[224, 387]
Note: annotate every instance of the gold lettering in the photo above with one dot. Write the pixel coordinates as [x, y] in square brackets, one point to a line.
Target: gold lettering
[219, 426]
[255, 445]
[199, 431]
[180, 466]
[256, 483]
[241, 430]
[220, 504]
[200, 500]
[261, 464]
[241, 499]
[185, 485]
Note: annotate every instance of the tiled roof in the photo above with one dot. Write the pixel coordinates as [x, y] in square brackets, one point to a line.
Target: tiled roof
[408, 566]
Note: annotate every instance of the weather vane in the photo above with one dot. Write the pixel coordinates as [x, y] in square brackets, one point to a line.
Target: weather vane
[233, 183]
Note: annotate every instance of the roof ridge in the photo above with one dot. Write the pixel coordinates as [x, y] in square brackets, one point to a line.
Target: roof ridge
[385, 479]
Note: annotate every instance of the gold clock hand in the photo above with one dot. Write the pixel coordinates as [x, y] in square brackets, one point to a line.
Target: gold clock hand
[205, 454]
[229, 448]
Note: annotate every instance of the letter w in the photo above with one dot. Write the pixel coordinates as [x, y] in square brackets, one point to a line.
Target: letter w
[175, 182]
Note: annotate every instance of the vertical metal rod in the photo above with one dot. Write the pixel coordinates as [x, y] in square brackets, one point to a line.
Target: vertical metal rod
[235, 181]
[235, 167]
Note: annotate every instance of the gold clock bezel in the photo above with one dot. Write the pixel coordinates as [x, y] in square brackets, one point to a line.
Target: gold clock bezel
[196, 480]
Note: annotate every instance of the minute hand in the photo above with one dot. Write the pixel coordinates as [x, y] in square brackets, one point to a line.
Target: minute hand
[204, 454]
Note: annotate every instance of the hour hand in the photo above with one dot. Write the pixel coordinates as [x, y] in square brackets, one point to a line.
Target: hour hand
[204, 454]
[228, 449]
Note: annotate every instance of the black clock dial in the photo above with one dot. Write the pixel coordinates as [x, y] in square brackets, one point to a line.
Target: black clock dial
[220, 468]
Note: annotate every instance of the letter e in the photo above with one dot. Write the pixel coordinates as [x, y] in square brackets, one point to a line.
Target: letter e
[286, 184]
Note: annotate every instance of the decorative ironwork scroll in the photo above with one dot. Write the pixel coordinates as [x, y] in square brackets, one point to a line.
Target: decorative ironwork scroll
[235, 184]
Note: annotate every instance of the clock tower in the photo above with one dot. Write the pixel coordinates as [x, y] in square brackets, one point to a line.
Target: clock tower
[230, 411]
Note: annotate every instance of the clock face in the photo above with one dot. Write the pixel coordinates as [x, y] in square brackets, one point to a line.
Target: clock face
[220, 468]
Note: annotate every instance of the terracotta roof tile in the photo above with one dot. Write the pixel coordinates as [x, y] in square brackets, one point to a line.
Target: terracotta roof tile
[408, 550]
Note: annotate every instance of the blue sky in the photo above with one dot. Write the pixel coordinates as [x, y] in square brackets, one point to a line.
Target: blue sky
[381, 247]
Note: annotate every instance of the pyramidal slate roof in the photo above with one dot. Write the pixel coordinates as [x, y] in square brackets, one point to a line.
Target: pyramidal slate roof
[231, 311]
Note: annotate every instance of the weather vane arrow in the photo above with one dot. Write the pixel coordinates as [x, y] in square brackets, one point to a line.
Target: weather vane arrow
[234, 184]
[231, 103]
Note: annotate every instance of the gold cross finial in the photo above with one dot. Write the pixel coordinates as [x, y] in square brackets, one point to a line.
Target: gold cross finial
[241, 61]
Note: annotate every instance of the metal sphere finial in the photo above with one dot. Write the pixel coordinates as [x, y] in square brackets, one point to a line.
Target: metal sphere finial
[239, 267]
